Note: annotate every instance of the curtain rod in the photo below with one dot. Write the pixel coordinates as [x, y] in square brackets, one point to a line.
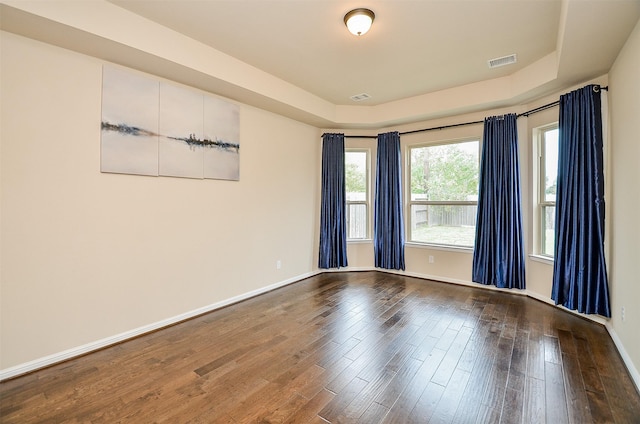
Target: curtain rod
[525, 114]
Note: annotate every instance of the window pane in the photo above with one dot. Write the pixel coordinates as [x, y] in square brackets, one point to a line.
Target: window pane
[444, 224]
[548, 229]
[356, 184]
[357, 221]
[550, 164]
[356, 175]
[445, 172]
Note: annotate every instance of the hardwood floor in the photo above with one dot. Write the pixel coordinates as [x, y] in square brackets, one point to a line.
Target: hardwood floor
[364, 347]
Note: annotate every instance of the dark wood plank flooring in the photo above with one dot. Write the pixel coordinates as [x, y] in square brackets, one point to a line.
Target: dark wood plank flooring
[366, 347]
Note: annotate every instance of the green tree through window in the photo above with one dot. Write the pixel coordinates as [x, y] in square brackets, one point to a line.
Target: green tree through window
[356, 183]
[444, 173]
[444, 193]
[356, 180]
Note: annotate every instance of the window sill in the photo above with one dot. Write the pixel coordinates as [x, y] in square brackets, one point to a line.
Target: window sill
[458, 249]
[542, 259]
[359, 241]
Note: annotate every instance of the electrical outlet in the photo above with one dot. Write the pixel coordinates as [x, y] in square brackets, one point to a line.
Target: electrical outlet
[431, 259]
[622, 313]
[278, 264]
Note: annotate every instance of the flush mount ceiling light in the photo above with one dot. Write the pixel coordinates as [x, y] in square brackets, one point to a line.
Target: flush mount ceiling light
[358, 21]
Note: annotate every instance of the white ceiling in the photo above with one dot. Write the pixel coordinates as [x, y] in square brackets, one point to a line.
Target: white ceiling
[422, 59]
[414, 47]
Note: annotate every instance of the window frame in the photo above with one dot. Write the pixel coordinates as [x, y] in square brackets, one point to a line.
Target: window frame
[409, 202]
[367, 201]
[541, 202]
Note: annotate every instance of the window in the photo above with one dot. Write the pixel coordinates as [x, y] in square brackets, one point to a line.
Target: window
[547, 172]
[357, 187]
[443, 196]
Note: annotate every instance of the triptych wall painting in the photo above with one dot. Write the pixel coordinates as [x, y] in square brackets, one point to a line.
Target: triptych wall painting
[155, 128]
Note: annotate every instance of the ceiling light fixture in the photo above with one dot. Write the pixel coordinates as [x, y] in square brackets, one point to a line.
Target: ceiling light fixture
[358, 21]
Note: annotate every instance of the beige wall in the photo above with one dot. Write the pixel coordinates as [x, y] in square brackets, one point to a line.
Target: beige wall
[624, 200]
[87, 256]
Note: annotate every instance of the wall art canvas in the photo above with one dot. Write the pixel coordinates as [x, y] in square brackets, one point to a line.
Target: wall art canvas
[156, 128]
[129, 139]
[221, 130]
[181, 123]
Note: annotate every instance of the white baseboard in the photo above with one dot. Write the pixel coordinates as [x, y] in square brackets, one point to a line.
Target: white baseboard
[436, 278]
[633, 372]
[118, 338]
[594, 318]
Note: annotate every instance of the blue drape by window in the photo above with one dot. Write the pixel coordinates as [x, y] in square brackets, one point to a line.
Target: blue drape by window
[579, 269]
[498, 255]
[388, 221]
[333, 228]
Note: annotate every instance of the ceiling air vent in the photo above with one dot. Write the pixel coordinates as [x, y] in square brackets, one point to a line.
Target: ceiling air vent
[360, 97]
[501, 61]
